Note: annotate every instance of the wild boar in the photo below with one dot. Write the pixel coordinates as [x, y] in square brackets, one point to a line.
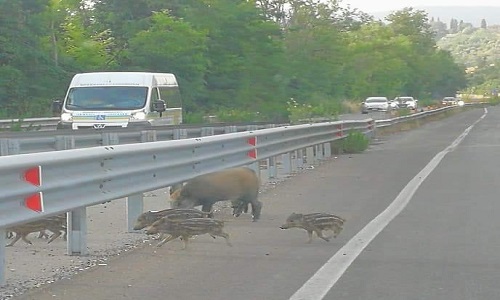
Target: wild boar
[148, 218]
[240, 185]
[187, 228]
[315, 222]
[56, 224]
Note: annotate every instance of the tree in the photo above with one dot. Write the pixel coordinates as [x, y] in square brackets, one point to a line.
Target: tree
[483, 24]
[453, 26]
[28, 75]
[173, 46]
[245, 55]
[375, 64]
[415, 25]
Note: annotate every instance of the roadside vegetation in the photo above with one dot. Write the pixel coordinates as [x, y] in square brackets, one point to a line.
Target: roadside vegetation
[267, 60]
[355, 142]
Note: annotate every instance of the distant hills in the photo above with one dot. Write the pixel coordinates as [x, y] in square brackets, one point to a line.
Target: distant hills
[468, 14]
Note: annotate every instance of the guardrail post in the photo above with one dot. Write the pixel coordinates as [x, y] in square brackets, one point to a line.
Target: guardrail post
[148, 136]
[180, 133]
[252, 127]
[110, 138]
[2, 256]
[300, 158]
[319, 151]
[230, 129]
[135, 207]
[76, 226]
[77, 232]
[310, 159]
[286, 163]
[207, 131]
[293, 162]
[328, 150]
[65, 142]
[135, 203]
[9, 147]
[272, 170]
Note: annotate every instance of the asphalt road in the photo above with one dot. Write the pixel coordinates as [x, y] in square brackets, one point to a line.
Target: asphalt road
[444, 244]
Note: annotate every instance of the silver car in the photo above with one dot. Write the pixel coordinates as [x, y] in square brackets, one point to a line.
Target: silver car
[375, 103]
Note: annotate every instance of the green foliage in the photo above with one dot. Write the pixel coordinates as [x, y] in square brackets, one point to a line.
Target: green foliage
[322, 109]
[404, 112]
[193, 118]
[233, 115]
[171, 45]
[355, 142]
[494, 100]
[427, 102]
[244, 56]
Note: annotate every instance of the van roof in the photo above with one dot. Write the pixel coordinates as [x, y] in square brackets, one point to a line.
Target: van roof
[123, 79]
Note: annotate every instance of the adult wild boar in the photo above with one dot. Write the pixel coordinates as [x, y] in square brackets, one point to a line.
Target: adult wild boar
[240, 185]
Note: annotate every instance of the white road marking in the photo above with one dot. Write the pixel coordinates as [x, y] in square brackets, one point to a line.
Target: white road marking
[325, 278]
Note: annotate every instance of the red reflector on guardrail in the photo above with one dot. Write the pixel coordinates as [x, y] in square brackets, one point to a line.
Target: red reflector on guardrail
[34, 202]
[34, 176]
[252, 153]
[252, 141]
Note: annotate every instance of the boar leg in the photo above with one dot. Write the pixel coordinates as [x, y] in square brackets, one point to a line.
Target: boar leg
[319, 233]
[256, 208]
[221, 233]
[336, 231]
[56, 234]
[18, 236]
[310, 234]
[185, 239]
[42, 234]
[167, 239]
[24, 238]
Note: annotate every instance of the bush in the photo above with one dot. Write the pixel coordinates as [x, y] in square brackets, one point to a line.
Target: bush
[355, 142]
[193, 118]
[298, 112]
[233, 115]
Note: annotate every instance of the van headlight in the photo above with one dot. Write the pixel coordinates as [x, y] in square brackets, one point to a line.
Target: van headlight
[140, 115]
[66, 117]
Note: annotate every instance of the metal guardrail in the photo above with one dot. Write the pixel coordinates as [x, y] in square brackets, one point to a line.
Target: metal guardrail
[12, 143]
[415, 116]
[39, 185]
[31, 124]
[420, 115]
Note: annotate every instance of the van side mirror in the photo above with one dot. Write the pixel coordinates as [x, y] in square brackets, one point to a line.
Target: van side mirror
[159, 106]
[56, 107]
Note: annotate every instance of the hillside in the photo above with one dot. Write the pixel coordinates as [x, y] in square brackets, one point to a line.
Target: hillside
[474, 47]
[472, 15]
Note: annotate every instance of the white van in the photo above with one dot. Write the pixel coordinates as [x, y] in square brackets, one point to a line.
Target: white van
[120, 99]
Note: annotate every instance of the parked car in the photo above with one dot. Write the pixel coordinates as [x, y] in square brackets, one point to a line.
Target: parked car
[375, 103]
[407, 102]
[449, 101]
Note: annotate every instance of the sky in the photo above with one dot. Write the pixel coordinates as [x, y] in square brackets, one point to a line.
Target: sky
[369, 6]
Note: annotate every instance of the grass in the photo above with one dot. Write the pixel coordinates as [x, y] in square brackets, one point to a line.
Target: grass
[355, 142]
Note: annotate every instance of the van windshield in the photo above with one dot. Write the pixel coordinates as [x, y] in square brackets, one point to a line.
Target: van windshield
[377, 100]
[107, 98]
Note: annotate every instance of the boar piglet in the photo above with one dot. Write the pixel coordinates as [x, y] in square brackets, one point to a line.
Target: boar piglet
[315, 222]
[148, 218]
[56, 224]
[187, 229]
